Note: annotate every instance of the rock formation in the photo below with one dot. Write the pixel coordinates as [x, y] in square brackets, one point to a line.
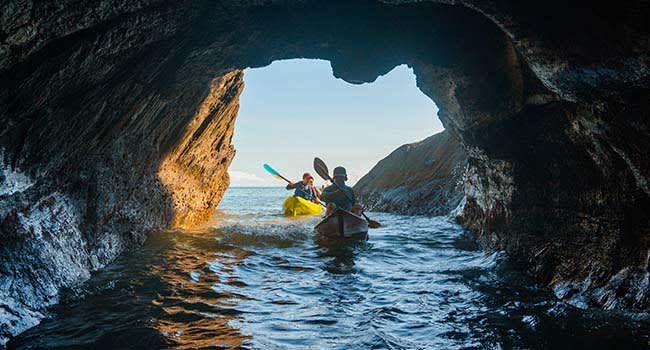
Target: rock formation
[421, 178]
[56, 231]
[102, 102]
[195, 172]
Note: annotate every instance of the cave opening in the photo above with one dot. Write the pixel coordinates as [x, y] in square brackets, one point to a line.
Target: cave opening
[120, 121]
[294, 110]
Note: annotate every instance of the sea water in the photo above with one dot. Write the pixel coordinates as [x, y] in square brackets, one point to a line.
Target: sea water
[253, 279]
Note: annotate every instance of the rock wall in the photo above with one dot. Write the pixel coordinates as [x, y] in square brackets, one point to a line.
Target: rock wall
[112, 123]
[101, 144]
[57, 230]
[421, 178]
[195, 172]
[565, 197]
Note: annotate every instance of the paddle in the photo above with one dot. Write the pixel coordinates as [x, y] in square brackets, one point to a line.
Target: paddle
[277, 175]
[321, 169]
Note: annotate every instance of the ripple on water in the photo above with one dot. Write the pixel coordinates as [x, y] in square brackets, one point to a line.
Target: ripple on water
[261, 282]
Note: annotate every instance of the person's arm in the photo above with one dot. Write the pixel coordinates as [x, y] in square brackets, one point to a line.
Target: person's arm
[331, 193]
[315, 194]
[327, 195]
[291, 186]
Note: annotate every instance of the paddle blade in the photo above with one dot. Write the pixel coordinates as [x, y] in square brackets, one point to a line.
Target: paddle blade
[373, 224]
[272, 171]
[321, 169]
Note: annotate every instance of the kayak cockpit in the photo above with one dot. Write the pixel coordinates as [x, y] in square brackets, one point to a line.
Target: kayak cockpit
[297, 206]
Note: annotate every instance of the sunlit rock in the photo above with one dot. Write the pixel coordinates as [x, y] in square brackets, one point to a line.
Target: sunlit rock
[195, 171]
[418, 178]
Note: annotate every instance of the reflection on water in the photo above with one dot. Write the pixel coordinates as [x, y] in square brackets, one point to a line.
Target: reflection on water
[198, 310]
[255, 280]
[339, 259]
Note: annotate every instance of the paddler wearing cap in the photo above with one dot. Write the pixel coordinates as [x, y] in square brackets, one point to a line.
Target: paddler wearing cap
[334, 196]
[305, 188]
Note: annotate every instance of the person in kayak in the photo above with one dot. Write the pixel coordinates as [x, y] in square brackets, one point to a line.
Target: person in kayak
[305, 188]
[340, 195]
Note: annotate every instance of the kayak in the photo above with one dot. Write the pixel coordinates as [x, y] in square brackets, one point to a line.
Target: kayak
[294, 206]
[343, 224]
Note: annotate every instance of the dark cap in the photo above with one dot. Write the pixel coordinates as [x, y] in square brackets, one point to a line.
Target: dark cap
[340, 171]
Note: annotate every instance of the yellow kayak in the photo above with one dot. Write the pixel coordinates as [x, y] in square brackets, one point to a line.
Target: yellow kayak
[295, 205]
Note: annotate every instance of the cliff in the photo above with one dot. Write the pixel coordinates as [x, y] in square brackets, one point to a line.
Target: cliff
[115, 118]
[421, 178]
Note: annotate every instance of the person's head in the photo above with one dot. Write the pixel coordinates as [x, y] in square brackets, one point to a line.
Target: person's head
[307, 179]
[340, 176]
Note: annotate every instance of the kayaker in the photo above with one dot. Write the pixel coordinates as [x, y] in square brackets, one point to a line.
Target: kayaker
[305, 188]
[335, 196]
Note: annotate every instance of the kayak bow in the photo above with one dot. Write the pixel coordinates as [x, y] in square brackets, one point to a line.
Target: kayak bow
[294, 206]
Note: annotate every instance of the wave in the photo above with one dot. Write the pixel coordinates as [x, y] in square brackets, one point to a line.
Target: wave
[281, 234]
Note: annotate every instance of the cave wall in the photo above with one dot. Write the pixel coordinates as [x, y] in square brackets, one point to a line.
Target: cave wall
[420, 178]
[564, 196]
[107, 132]
[194, 173]
[117, 118]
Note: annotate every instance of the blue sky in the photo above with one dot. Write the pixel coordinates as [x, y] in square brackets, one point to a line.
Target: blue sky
[294, 110]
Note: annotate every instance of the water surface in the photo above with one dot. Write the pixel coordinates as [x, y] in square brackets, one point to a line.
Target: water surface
[256, 280]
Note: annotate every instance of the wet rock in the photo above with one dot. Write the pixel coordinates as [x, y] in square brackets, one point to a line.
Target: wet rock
[422, 178]
[42, 250]
[60, 224]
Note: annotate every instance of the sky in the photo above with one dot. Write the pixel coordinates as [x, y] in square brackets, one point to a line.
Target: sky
[294, 110]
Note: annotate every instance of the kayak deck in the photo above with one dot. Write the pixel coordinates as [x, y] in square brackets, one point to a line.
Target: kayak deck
[295, 206]
[343, 224]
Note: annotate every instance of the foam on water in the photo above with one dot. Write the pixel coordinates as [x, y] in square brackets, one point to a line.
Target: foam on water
[261, 234]
[257, 280]
[247, 220]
